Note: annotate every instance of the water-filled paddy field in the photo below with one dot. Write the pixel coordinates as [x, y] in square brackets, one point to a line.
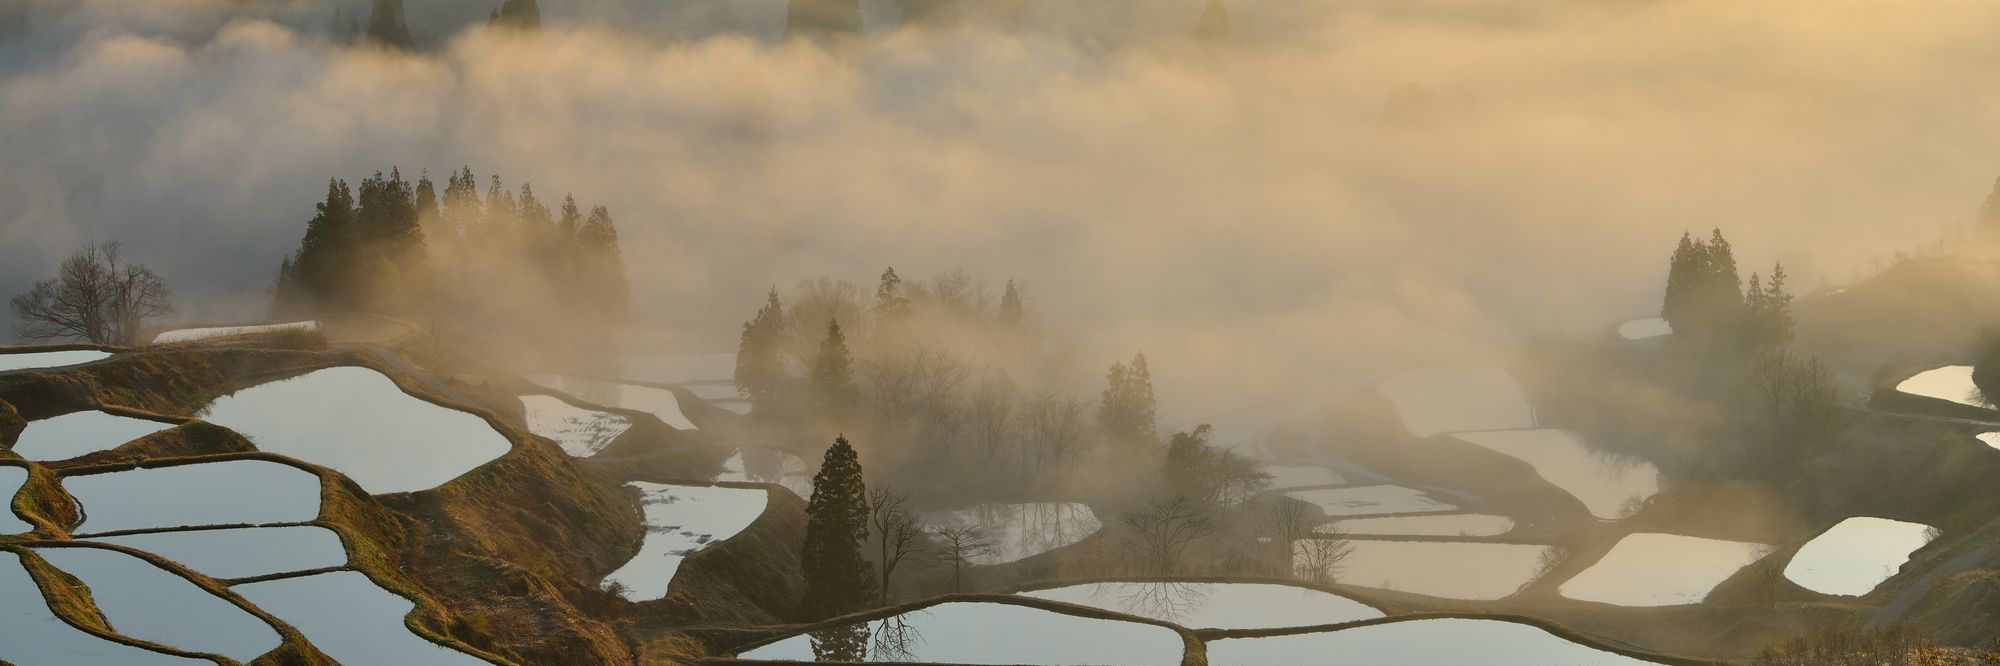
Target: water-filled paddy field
[995, 633]
[1647, 569]
[1020, 531]
[1215, 605]
[580, 432]
[230, 492]
[679, 521]
[51, 359]
[1854, 556]
[79, 433]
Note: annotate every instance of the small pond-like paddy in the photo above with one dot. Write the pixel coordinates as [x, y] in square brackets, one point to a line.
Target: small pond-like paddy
[753, 465]
[193, 334]
[230, 492]
[1853, 557]
[656, 401]
[11, 480]
[78, 433]
[50, 359]
[1607, 485]
[1648, 569]
[149, 603]
[358, 422]
[1302, 476]
[679, 521]
[1952, 382]
[1020, 531]
[1645, 329]
[242, 552]
[1215, 605]
[1458, 398]
[1436, 642]
[1453, 524]
[996, 633]
[351, 619]
[580, 432]
[30, 634]
[1448, 570]
[1367, 500]
[1991, 439]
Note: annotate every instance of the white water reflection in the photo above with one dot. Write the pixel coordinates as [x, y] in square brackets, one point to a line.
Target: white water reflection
[242, 552]
[192, 334]
[1215, 605]
[1456, 524]
[580, 432]
[149, 603]
[1365, 500]
[351, 619]
[1609, 486]
[1952, 382]
[679, 521]
[1853, 557]
[1644, 329]
[1439, 642]
[994, 633]
[754, 465]
[79, 433]
[11, 480]
[31, 634]
[1648, 569]
[1020, 531]
[656, 401]
[1454, 399]
[358, 422]
[1450, 570]
[51, 359]
[230, 492]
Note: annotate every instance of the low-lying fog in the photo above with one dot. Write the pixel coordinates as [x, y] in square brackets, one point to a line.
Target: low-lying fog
[1334, 193]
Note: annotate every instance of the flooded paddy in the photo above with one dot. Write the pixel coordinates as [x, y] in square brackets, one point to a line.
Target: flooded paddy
[193, 334]
[1020, 531]
[1458, 398]
[1215, 605]
[79, 433]
[230, 492]
[1607, 485]
[1367, 500]
[1302, 476]
[358, 422]
[242, 552]
[49, 359]
[149, 603]
[656, 401]
[752, 465]
[1435, 642]
[1854, 556]
[1648, 569]
[994, 633]
[1952, 382]
[31, 634]
[580, 432]
[1455, 524]
[351, 619]
[11, 480]
[1645, 329]
[679, 521]
[1448, 570]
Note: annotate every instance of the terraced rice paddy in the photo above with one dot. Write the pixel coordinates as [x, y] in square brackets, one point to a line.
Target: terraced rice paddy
[149, 603]
[50, 359]
[1854, 556]
[242, 552]
[1608, 486]
[351, 619]
[580, 432]
[656, 401]
[1952, 382]
[679, 521]
[1435, 642]
[1020, 531]
[31, 634]
[1449, 570]
[205, 333]
[233, 492]
[1645, 329]
[1368, 500]
[1648, 569]
[1215, 605]
[1455, 524]
[994, 633]
[11, 479]
[79, 433]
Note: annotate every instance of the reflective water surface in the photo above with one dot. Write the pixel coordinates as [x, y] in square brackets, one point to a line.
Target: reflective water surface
[1853, 557]
[1450, 570]
[1215, 605]
[242, 552]
[656, 401]
[1439, 642]
[149, 603]
[679, 521]
[1643, 329]
[78, 433]
[1455, 524]
[580, 432]
[1952, 382]
[1366, 500]
[1610, 486]
[31, 634]
[1020, 531]
[992, 633]
[351, 619]
[51, 359]
[755, 465]
[1648, 569]
[230, 492]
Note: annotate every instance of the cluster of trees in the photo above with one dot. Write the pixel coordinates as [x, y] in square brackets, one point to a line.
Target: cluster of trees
[385, 26]
[519, 14]
[504, 262]
[1707, 301]
[96, 295]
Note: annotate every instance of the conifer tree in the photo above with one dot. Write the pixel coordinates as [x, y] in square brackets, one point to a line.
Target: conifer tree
[1128, 412]
[1012, 312]
[832, 393]
[837, 576]
[890, 300]
[461, 214]
[386, 25]
[760, 370]
[603, 267]
[323, 265]
[427, 200]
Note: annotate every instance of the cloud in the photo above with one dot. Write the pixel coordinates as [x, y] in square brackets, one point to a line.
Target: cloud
[1338, 193]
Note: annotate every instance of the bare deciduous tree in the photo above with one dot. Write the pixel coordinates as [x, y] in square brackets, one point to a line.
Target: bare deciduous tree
[1162, 532]
[1057, 426]
[1318, 557]
[95, 296]
[897, 533]
[961, 544]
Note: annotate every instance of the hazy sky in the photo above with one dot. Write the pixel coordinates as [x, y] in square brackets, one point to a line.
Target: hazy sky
[1339, 192]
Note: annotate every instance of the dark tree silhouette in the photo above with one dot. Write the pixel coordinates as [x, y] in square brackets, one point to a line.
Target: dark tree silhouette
[520, 14]
[1012, 311]
[760, 368]
[836, 574]
[897, 533]
[386, 25]
[1127, 411]
[832, 394]
[94, 296]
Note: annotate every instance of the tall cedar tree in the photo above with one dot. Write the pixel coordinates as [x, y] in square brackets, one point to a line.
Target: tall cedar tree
[837, 576]
[832, 393]
[1703, 299]
[1012, 312]
[1767, 312]
[386, 25]
[760, 370]
[1127, 412]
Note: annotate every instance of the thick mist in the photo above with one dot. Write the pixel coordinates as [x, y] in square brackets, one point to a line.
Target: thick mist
[1333, 194]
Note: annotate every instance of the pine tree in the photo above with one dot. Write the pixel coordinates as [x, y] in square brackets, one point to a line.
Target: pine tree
[386, 25]
[760, 370]
[1012, 312]
[461, 214]
[1681, 277]
[832, 392]
[1127, 413]
[322, 267]
[890, 301]
[427, 200]
[837, 576]
[603, 266]
[1143, 410]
